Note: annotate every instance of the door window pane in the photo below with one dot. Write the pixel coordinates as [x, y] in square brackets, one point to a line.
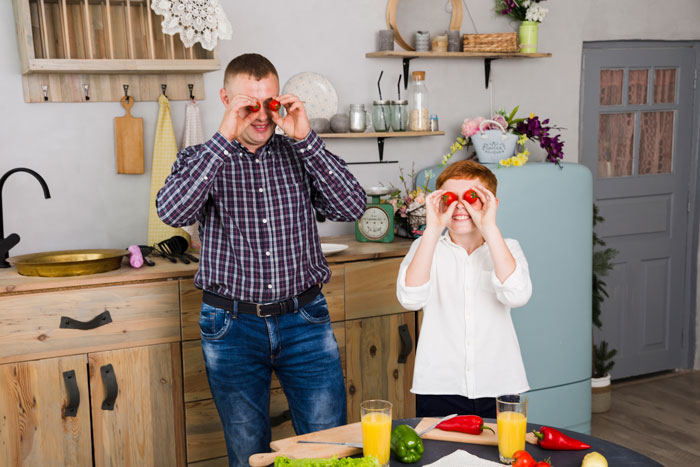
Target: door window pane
[664, 85]
[615, 144]
[638, 86]
[656, 143]
[611, 87]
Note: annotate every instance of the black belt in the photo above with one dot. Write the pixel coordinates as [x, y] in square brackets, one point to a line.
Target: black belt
[263, 310]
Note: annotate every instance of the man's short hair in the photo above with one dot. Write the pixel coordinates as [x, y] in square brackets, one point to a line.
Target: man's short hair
[468, 169]
[254, 65]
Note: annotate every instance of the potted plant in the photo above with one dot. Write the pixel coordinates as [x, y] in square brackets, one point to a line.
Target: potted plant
[602, 355]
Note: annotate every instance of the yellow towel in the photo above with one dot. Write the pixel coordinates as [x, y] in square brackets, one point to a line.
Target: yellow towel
[164, 154]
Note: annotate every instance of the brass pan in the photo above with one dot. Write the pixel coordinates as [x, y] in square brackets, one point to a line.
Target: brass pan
[68, 262]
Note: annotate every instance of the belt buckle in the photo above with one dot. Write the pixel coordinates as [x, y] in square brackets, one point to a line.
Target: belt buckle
[259, 306]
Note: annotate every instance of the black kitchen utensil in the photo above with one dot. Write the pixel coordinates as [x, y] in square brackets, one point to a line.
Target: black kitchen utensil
[169, 248]
[145, 251]
[157, 252]
[180, 245]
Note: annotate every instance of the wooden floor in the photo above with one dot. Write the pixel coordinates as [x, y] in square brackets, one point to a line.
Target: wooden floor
[657, 416]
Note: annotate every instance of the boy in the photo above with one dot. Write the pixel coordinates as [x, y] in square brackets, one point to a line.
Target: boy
[466, 280]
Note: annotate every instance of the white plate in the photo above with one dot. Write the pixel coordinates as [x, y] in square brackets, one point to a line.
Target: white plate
[332, 248]
[318, 94]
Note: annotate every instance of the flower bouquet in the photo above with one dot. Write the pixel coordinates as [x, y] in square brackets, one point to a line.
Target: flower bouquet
[409, 206]
[530, 128]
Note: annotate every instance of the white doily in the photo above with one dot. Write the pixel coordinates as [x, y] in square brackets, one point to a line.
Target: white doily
[201, 21]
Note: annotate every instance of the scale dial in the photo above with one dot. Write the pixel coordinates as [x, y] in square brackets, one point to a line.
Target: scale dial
[375, 223]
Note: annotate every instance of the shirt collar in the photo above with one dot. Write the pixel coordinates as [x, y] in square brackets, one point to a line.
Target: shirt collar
[447, 240]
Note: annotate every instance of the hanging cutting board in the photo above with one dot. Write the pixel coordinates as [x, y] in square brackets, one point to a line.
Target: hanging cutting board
[128, 134]
[485, 438]
[291, 448]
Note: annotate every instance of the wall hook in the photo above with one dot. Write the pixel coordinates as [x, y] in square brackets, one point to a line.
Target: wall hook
[126, 92]
[191, 88]
[45, 90]
[162, 88]
[86, 88]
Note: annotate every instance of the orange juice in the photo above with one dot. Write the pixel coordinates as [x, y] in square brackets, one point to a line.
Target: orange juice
[512, 427]
[376, 436]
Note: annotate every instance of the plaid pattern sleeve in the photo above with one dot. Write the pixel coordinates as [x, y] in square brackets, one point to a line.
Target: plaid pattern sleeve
[258, 230]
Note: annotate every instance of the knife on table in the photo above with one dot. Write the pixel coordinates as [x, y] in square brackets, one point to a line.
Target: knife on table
[338, 443]
[436, 424]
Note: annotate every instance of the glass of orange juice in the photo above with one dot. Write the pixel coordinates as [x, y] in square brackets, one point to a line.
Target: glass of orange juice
[511, 419]
[376, 429]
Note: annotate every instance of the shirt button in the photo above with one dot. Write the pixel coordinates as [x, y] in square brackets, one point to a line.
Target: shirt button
[330, 172]
[267, 253]
[257, 160]
[269, 286]
[302, 150]
[308, 147]
[226, 153]
[264, 221]
[260, 190]
[206, 178]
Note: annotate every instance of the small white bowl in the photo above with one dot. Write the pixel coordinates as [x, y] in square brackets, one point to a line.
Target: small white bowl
[332, 248]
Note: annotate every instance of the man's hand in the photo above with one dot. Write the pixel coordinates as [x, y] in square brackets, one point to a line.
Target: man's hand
[232, 125]
[435, 219]
[295, 124]
[485, 217]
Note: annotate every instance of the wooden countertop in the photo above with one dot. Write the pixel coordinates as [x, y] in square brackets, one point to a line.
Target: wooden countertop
[12, 283]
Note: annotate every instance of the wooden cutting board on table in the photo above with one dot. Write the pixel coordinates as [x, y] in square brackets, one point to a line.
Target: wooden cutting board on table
[291, 448]
[486, 437]
[128, 135]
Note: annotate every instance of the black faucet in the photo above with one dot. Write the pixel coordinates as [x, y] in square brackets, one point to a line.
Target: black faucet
[13, 239]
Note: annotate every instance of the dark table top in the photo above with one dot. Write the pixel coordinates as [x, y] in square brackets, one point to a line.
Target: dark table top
[615, 454]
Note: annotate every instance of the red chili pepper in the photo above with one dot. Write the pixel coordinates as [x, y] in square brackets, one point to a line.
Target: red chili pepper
[274, 105]
[470, 196]
[254, 108]
[549, 438]
[471, 424]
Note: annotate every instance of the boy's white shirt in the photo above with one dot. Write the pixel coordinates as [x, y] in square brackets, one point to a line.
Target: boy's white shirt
[468, 345]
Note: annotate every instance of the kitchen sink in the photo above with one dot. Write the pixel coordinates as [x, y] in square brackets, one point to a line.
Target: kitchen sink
[68, 262]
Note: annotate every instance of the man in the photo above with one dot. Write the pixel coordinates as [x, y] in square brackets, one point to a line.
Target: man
[254, 193]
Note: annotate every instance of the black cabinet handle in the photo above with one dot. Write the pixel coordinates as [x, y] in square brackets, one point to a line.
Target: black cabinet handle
[73, 393]
[281, 418]
[111, 387]
[99, 320]
[406, 343]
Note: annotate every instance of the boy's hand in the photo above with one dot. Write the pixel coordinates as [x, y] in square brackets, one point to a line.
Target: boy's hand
[232, 125]
[295, 124]
[485, 217]
[435, 219]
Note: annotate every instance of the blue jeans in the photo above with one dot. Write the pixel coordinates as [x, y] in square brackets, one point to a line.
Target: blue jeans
[241, 351]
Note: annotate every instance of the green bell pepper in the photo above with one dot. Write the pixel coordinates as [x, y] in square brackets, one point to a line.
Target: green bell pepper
[406, 444]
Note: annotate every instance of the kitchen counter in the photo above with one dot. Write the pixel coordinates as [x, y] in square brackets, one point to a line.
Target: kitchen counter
[13, 283]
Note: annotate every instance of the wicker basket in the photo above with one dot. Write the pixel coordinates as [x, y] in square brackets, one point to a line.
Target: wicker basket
[499, 42]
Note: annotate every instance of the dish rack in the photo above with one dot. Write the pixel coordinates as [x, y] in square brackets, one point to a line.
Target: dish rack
[496, 42]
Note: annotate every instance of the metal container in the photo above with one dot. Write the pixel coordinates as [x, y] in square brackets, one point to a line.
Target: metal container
[68, 262]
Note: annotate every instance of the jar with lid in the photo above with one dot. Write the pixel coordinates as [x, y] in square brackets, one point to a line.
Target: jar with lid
[381, 115]
[418, 114]
[399, 114]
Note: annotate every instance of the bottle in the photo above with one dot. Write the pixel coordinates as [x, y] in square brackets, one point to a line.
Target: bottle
[418, 114]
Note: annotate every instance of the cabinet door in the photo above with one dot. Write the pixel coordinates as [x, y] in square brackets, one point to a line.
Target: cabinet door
[37, 426]
[372, 350]
[137, 406]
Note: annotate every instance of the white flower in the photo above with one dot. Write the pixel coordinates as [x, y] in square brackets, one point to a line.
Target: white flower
[526, 3]
[536, 13]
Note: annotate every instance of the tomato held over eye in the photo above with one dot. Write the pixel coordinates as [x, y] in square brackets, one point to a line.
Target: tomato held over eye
[471, 197]
[448, 198]
[254, 108]
[274, 105]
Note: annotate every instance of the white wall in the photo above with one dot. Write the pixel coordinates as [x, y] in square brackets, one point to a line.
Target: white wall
[72, 145]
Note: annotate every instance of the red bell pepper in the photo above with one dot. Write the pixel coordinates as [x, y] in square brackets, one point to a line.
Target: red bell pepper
[470, 424]
[549, 438]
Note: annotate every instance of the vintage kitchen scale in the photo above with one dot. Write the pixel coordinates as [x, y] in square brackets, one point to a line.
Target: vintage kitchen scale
[377, 223]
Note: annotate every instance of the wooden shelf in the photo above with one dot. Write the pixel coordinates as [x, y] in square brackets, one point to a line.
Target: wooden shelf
[382, 134]
[410, 54]
[488, 57]
[380, 140]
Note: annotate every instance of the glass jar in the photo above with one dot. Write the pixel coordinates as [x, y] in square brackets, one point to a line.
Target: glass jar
[381, 115]
[399, 115]
[418, 114]
[358, 118]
